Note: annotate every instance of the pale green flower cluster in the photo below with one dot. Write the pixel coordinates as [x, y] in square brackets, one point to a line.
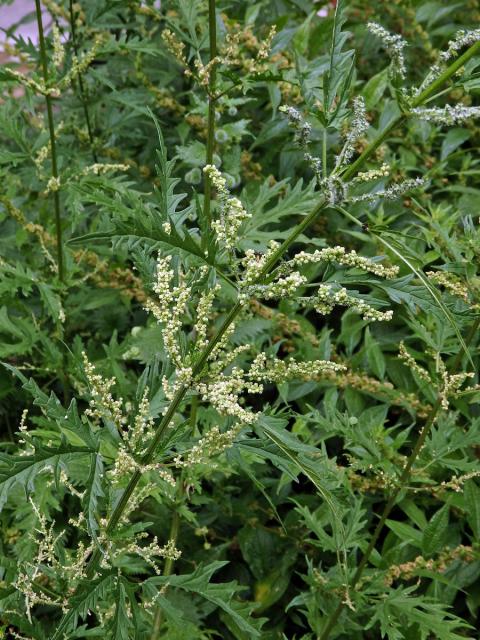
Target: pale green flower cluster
[343, 257]
[450, 383]
[329, 296]
[395, 45]
[447, 115]
[358, 126]
[232, 212]
[463, 38]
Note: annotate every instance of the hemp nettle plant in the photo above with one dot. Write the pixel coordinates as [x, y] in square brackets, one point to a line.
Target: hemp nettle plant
[240, 311]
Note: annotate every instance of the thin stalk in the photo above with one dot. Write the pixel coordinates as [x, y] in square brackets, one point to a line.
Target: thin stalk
[53, 147]
[324, 153]
[175, 524]
[81, 87]
[169, 562]
[212, 80]
[404, 480]
[230, 317]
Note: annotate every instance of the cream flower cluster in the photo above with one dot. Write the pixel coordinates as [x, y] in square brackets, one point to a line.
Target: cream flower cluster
[99, 169]
[212, 444]
[58, 49]
[394, 44]
[278, 371]
[170, 307]
[462, 39]
[102, 404]
[253, 263]
[450, 281]
[204, 310]
[232, 212]
[343, 257]
[149, 552]
[29, 572]
[330, 296]
[358, 126]
[450, 383]
[174, 46]
[372, 174]
[281, 287]
[412, 364]
[392, 192]
[296, 120]
[224, 393]
[447, 115]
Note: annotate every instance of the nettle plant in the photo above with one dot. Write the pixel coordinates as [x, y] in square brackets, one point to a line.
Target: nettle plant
[279, 441]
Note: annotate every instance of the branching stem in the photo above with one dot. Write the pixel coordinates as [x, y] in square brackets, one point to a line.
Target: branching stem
[53, 147]
[81, 87]
[212, 80]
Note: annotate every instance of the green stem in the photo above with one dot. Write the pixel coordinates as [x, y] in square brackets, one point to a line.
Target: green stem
[169, 562]
[231, 316]
[212, 30]
[403, 480]
[53, 148]
[175, 524]
[81, 87]
[324, 153]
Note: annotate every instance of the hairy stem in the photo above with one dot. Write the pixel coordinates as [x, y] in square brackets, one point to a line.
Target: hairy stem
[229, 319]
[53, 148]
[212, 31]
[83, 98]
[403, 481]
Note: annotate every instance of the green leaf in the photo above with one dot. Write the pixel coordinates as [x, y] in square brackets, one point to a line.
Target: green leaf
[76, 431]
[375, 88]
[121, 622]
[454, 138]
[222, 595]
[340, 66]
[405, 532]
[436, 531]
[297, 452]
[401, 615]
[93, 492]
[24, 469]
[88, 594]
[374, 355]
[471, 495]
[401, 252]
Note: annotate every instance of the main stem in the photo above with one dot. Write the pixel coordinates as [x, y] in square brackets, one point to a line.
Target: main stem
[53, 147]
[83, 98]
[212, 30]
[235, 310]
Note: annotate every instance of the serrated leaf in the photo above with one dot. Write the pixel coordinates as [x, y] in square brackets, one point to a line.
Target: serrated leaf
[471, 495]
[435, 533]
[88, 594]
[401, 252]
[93, 492]
[121, 622]
[18, 469]
[297, 452]
[221, 594]
[405, 532]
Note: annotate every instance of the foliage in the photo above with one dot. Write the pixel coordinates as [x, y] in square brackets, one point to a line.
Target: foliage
[239, 312]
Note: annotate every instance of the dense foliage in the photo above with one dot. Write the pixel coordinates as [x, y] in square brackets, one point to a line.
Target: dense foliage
[239, 312]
